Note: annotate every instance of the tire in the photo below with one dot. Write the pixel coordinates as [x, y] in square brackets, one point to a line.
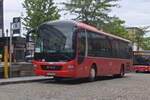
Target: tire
[92, 74]
[122, 73]
[57, 79]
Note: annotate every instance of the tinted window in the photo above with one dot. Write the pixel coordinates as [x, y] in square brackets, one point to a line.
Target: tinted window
[141, 60]
[98, 45]
[103, 46]
[55, 42]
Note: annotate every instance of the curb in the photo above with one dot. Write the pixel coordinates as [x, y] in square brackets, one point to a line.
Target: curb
[23, 80]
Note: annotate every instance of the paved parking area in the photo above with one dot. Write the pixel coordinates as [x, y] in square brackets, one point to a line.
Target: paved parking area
[134, 86]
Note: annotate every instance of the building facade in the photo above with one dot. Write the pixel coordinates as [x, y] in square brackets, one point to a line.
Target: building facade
[18, 47]
[135, 32]
[1, 19]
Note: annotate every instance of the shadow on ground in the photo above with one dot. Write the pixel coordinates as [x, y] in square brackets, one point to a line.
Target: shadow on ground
[79, 81]
[143, 72]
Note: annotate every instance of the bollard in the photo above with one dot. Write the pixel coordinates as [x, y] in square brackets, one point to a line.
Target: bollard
[6, 62]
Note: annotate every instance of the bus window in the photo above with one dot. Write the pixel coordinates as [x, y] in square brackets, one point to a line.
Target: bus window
[96, 46]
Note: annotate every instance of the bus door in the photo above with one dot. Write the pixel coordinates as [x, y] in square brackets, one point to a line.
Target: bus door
[81, 48]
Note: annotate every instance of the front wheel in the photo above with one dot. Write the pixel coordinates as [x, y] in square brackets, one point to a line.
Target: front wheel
[92, 74]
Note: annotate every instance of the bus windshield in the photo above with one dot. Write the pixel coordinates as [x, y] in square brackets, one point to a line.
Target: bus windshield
[55, 42]
[142, 60]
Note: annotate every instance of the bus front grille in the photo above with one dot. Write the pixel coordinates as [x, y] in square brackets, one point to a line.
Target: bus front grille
[50, 67]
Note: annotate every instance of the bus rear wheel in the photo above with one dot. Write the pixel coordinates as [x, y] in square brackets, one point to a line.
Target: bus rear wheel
[57, 79]
[122, 73]
[92, 74]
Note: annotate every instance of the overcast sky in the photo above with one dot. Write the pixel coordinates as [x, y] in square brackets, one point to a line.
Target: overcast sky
[135, 13]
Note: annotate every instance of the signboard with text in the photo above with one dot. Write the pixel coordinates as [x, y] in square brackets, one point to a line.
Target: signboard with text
[16, 25]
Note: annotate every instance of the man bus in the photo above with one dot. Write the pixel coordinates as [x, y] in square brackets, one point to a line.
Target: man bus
[69, 49]
[141, 61]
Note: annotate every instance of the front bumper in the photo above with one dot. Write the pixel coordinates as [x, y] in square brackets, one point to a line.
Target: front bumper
[142, 68]
[69, 74]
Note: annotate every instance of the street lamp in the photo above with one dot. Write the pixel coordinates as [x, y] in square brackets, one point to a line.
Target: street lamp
[10, 49]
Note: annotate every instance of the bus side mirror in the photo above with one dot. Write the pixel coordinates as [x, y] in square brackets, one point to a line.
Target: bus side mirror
[28, 37]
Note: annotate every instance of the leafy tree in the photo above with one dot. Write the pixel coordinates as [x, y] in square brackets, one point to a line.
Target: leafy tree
[92, 12]
[146, 43]
[139, 39]
[115, 27]
[95, 13]
[39, 11]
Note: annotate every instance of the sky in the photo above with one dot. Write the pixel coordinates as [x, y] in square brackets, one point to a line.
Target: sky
[135, 13]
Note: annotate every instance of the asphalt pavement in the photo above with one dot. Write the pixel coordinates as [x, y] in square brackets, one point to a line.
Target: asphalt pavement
[134, 86]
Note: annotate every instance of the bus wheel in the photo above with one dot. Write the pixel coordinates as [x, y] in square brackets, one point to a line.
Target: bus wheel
[92, 74]
[122, 73]
[57, 79]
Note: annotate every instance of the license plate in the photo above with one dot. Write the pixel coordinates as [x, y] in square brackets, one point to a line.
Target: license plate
[50, 74]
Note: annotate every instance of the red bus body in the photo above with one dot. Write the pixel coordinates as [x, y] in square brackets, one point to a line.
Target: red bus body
[71, 69]
[141, 61]
[141, 68]
[107, 67]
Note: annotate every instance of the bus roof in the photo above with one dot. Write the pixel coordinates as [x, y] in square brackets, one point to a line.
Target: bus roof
[85, 26]
[88, 27]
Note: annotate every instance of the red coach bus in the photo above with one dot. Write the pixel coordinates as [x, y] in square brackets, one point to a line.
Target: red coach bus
[141, 61]
[69, 49]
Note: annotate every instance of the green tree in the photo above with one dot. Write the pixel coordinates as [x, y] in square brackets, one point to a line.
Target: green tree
[39, 11]
[96, 13]
[146, 43]
[92, 12]
[139, 39]
[115, 27]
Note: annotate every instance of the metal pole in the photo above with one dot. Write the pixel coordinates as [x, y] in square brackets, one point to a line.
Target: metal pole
[10, 51]
[6, 74]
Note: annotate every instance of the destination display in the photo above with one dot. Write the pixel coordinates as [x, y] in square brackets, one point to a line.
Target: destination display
[140, 53]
